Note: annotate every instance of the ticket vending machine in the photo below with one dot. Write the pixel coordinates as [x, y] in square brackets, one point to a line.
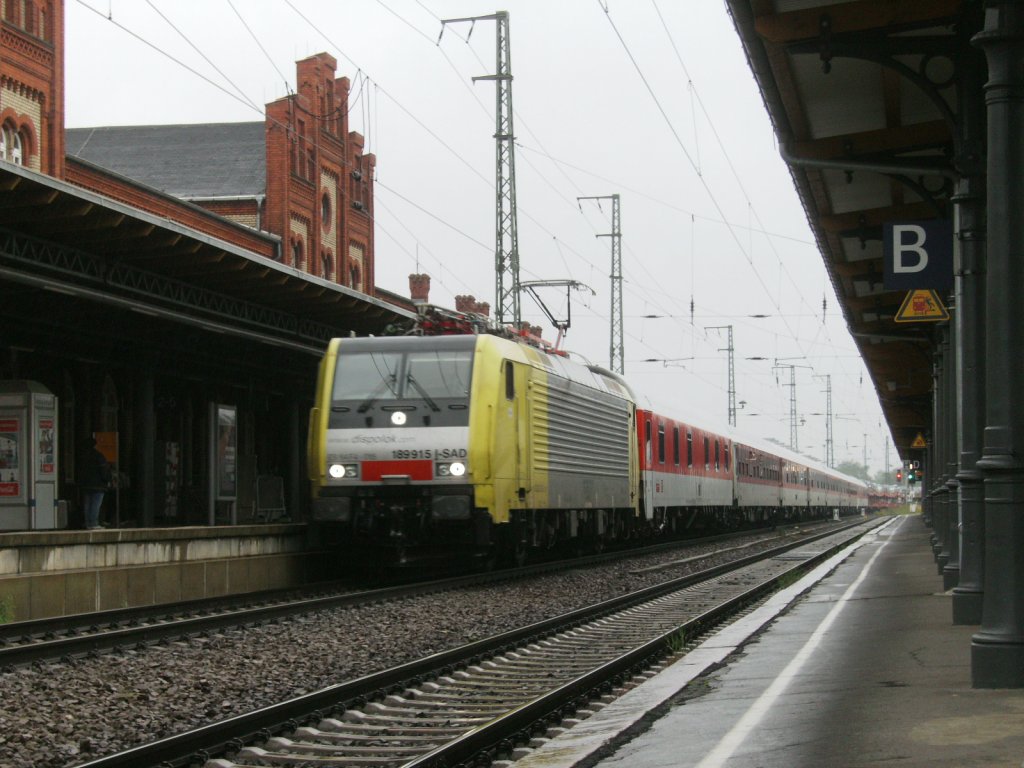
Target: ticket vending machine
[28, 456]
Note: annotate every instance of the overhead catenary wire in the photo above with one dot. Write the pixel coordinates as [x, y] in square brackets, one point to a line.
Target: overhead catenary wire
[696, 167]
[567, 246]
[250, 104]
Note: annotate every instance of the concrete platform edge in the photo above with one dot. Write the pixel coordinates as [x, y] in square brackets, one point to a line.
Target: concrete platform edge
[593, 738]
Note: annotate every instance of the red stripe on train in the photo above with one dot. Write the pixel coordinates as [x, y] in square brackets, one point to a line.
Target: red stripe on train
[415, 470]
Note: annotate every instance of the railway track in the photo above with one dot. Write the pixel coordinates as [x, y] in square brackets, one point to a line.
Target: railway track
[481, 701]
[134, 628]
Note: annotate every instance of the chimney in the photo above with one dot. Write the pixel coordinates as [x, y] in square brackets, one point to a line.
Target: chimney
[419, 288]
[465, 303]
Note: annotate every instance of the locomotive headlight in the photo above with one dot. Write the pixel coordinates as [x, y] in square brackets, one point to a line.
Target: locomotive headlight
[339, 471]
[451, 469]
[398, 418]
[336, 470]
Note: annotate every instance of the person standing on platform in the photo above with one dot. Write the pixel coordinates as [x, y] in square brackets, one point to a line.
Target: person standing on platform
[94, 480]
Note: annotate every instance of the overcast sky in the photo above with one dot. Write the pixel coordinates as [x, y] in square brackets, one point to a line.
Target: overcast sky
[709, 213]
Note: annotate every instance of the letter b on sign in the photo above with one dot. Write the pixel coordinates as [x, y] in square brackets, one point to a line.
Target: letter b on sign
[918, 254]
[908, 253]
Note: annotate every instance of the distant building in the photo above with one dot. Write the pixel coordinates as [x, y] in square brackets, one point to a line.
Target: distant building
[32, 84]
[299, 174]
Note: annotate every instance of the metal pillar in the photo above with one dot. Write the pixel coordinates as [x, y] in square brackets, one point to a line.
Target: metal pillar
[951, 571]
[145, 451]
[296, 454]
[616, 347]
[997, 649]
[933, 476]
[970, 319]
[506, 248]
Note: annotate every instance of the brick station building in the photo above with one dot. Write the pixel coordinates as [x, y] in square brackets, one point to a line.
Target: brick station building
[149, 273]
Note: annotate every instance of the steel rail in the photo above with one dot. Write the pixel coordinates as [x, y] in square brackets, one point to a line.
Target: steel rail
[91, 633]
[233, 733]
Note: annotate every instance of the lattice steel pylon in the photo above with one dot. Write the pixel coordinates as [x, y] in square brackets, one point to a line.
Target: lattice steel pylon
[793, 441]
[732, 371]
[506, 247]
[617, 349]
[830, 457]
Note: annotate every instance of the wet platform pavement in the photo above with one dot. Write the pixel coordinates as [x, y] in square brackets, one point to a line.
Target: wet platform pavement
[858, 664]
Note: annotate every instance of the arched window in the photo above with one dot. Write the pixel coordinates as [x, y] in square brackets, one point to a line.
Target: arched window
[3, 142]
[328, 265]
[297, 260]
[16, 156]
[325, 212]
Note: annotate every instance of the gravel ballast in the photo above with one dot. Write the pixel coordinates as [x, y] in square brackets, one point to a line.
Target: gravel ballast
[66, 713]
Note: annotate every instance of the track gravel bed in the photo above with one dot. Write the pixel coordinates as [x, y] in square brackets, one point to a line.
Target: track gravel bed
[63, 714]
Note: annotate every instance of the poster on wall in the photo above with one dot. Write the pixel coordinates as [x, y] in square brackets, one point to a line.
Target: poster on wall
[10, 457]
[47, 446]
[227, 452]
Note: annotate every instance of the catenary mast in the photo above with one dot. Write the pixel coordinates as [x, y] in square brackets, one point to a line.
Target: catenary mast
[506, 247]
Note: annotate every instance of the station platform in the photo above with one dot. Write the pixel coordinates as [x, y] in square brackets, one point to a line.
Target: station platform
[858, 664]
[44, 574]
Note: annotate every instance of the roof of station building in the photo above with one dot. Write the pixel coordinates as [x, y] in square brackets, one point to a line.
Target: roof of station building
[195, 161]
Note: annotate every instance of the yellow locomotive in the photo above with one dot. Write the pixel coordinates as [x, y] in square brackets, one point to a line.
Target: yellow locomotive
[429, 448]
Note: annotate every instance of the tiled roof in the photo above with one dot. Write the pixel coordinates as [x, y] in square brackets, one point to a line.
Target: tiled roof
[186, 161]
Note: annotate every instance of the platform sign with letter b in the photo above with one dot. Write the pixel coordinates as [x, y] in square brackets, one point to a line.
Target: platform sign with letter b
[918, 254]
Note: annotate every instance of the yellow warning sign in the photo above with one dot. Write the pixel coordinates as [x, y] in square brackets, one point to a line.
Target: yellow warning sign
[922, 305]
[919, 442]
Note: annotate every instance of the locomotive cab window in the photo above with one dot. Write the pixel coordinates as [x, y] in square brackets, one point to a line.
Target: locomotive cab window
[367, 375]
[510, 381]
[437, 374]
[429, 375]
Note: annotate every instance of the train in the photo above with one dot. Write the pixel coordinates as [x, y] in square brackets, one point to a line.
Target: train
[463, 444]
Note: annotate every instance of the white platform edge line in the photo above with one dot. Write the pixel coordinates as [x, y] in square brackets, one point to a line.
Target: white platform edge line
[603, 730]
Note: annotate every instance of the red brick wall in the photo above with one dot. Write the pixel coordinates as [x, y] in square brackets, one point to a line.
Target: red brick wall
[32, 72]
[308, 139]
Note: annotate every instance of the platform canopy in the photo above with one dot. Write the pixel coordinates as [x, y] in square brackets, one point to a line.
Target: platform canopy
[66, 252]
[863, 99]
